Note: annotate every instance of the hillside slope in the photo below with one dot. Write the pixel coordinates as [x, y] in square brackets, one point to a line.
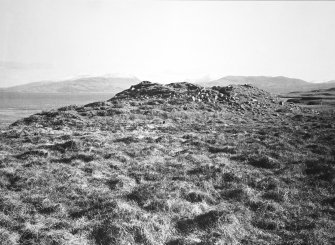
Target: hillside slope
[88, 84]
[170, 164]
[275, 85]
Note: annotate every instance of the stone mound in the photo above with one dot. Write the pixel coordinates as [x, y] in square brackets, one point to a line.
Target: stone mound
[244, 96]
[147, 97]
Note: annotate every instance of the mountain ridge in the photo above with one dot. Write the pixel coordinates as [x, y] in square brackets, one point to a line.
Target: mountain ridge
[77, 85]
[115, 84]
[277, 84]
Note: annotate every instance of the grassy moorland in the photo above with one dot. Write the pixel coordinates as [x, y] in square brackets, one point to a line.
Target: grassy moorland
[175, 164]
[320, 99]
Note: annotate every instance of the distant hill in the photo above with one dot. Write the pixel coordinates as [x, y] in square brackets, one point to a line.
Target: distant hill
[80, 85]
[272, 84]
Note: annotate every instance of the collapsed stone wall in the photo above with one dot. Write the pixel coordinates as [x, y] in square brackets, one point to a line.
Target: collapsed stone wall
[244, 96]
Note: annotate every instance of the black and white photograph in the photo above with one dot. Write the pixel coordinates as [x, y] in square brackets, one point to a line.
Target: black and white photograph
[167, 122]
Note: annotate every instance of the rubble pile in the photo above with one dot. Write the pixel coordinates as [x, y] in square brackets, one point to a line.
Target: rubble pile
[184, 90]
[242, 97]
[145, 90]
[239, 99]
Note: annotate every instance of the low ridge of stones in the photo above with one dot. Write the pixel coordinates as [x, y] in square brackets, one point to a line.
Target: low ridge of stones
[146, 96]
[242, 96]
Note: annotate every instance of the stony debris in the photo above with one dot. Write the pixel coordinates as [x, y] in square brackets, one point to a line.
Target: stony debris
[244, 97]
[159, 98]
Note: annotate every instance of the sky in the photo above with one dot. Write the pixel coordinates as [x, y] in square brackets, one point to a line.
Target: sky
[165, 41]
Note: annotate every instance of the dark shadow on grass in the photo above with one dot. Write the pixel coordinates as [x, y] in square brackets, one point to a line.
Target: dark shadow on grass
[203, 221]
